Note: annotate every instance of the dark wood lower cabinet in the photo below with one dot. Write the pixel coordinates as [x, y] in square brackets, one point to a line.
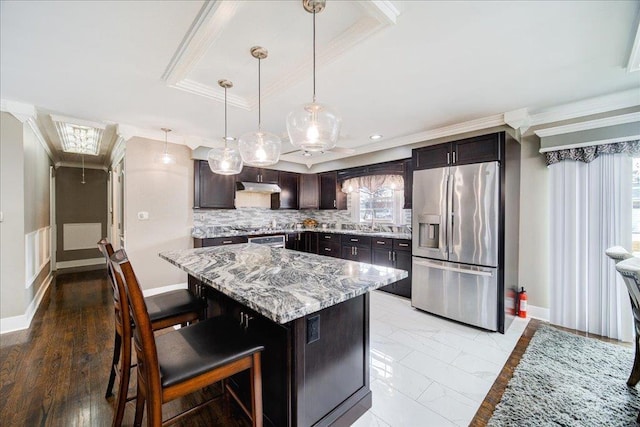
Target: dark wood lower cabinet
[315, 369]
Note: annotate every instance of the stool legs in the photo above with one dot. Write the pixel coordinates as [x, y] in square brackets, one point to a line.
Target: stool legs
[635, 371]
[256, 391]
[114, 363]
[123, 387]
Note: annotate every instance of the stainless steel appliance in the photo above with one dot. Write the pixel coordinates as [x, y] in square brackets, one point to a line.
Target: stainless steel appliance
[273, 241]
[455, 242]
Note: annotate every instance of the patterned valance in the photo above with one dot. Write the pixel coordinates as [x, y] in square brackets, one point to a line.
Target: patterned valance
[588, 154]
[372, 183]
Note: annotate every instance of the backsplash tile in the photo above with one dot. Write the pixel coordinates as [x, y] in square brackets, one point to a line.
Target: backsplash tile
[254, 217]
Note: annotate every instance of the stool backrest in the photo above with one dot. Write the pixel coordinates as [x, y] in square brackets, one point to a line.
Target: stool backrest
[123, 318]
[143, 338]
[630, 271]
[618, 253]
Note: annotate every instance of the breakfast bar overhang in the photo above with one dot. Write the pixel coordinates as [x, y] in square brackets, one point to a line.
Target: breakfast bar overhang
[312, 315]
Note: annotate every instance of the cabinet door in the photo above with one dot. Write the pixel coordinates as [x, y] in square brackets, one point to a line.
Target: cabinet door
[363, 254]
[348, 252]
[403, 262]
[248, 174]
[291, 241]
[269, 176]
[309, 187]
[211, 189]
[288, 196]
[331, 196]
[408, 183]
[477, 150]
[382, 257]
[434, 156]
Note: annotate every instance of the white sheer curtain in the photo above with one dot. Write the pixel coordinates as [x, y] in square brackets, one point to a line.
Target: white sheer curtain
[590, 211]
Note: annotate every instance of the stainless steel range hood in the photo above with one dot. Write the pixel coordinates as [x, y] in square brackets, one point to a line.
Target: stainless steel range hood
[257, 187]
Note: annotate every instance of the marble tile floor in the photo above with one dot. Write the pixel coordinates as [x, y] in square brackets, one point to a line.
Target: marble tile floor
[428, 371]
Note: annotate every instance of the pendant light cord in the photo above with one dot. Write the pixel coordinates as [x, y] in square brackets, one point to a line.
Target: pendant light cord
[314, 55]
[225, 117]
[259, 99]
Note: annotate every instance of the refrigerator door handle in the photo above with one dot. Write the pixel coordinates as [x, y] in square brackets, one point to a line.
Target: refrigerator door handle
[454, 269]
[450, 224]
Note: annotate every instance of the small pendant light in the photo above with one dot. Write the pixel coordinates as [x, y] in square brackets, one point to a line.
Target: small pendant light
[259, 148]
[313, 127]
[166, 158]
[227, 160]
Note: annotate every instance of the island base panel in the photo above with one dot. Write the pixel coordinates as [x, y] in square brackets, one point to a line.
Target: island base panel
[307, 382]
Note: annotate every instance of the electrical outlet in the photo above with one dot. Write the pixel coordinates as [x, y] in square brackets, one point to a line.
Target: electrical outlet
[313, 329]
[143, 216]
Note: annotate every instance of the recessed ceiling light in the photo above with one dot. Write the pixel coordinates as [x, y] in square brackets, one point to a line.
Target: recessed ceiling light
[230, 138]
[375, 137]
[78, 136]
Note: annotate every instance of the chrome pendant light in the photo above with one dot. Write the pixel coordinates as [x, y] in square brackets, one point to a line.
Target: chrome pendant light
[313, 127]
[166, 158]
[227, 160]
[259, 148]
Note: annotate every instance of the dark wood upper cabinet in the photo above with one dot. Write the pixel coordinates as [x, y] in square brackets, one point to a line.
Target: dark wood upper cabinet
[331, 195]
[309, 187]
[478, 149]
[434, 156]
[408, 183]
[253, 174]
[288, 196]
[211, 190]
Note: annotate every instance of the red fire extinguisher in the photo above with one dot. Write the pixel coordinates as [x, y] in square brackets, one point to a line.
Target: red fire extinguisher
[522, 303]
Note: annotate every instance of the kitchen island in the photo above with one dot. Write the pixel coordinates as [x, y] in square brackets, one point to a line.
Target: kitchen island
[311, 313]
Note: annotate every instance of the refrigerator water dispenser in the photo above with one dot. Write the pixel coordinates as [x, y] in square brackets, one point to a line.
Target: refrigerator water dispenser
[429, 231]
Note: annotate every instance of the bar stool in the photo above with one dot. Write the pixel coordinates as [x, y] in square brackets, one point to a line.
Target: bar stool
[168, 309]
[630, 271]
[180, 362]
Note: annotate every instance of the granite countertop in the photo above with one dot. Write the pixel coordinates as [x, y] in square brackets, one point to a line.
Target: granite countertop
[281, 284]
[209, 234]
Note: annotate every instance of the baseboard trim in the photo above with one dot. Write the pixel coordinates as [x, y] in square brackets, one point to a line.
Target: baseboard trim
[539, 313]
[23, 321]
[80, 263]
[163, 289]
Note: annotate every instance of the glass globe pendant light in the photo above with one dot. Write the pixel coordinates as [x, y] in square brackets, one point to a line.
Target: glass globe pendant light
[313, 127]
[259, 148]
[227, 160]
[166, 158]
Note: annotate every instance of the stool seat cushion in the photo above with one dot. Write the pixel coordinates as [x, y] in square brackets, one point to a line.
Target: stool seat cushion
[199, 348]
[171, 304]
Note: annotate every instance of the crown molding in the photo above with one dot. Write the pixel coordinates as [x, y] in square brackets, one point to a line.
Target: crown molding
[19, 110]
[78, 122]
[590, 124]
[118, 151]
[79, 166]
[205, 29]
[591, 143]
[587, 107]
[215, 16]
[633, 64]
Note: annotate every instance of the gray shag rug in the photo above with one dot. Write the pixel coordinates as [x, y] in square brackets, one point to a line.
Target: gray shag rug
[568, 380]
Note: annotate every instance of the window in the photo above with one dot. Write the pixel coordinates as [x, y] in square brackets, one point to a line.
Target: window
[376, 199]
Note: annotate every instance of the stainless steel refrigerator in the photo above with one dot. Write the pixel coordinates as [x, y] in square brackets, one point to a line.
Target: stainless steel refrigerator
[456, 226]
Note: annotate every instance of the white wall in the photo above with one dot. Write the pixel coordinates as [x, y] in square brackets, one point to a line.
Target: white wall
[12, 259]
[166, 193]
[534, 223]
[24, 201]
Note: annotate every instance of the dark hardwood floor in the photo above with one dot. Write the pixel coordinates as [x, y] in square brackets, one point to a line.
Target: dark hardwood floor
[55, 373]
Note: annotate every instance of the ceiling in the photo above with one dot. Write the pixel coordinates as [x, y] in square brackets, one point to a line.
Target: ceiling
[400, 69]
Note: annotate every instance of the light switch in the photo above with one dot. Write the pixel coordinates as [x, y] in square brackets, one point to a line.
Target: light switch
[143, 216]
